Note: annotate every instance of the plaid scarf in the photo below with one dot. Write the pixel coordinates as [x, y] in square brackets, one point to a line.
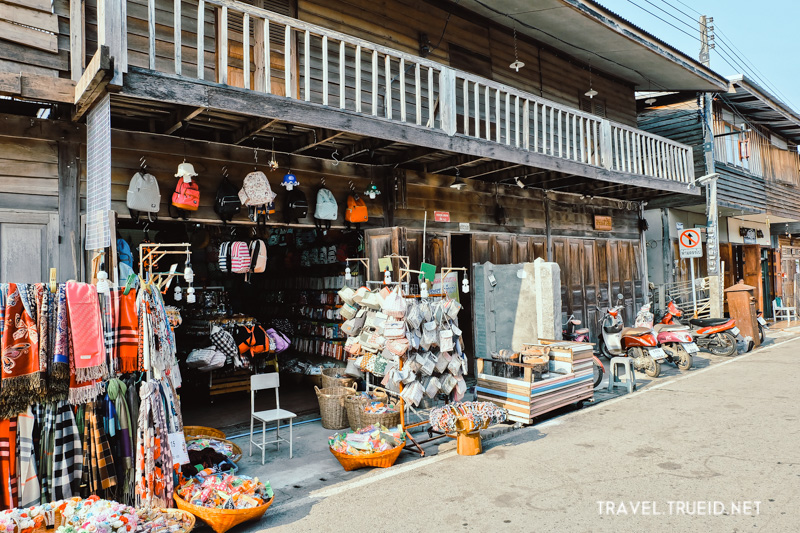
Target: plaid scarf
[109, 313]
[45, 417]
[97, 453]
[154, 484]
[8, 463]
[67, 455]
[86, 329]
[21, 383]
[28, 479]
[128, 333]
[123, 445]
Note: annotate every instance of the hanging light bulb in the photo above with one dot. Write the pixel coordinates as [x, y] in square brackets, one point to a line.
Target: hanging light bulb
[387, 277]
[591, 93]
[190, 297]
[348, 273]
[188, 272]
[103, 286]
[290, 181]
[517, 64]
[178, 293]
[372, 191]
[423, 289]
[465, 285]
[273, 161]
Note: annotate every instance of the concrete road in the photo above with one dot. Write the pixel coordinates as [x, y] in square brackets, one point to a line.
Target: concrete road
[711, 450]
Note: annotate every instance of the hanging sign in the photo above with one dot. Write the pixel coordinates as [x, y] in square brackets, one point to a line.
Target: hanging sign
[690, 244]
[602, 223]
[441, 216]
[463, 226]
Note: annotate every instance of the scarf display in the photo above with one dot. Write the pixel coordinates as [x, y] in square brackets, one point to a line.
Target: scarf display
[154, 485]
[21, 381]
[98, 463]
[127, 337]
[28, 479]
[8, 463]
[122, 443]
[67, 469]
[86, 331]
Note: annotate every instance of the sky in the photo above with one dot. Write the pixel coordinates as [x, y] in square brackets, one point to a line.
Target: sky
[759, 38]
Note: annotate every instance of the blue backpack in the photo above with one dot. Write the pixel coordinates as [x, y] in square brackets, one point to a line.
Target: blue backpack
[124, 253]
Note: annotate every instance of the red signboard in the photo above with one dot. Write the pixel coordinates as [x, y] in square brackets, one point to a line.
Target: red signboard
[441, 216]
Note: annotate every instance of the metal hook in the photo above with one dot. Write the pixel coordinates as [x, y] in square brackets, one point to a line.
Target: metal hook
[233, 230]
[334, 154]
[225, 171]
[322, 180]
[352, 187]
[143, 163]
[255, 156]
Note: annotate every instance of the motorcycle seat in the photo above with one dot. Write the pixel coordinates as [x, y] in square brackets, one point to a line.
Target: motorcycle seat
[707, 322]
[635, 332]
[670, 327]
[582, 331]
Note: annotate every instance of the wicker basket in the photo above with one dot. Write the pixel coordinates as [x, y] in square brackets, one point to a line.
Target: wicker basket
[237, 451]
[331, 406]
[388, 420]
[188, 518]
[189, 431]
[331, 378]
[355, 403]
[222, 520]
[379, 460]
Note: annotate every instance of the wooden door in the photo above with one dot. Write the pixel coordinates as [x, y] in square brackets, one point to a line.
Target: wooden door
[28, 245]
[752, 271]
[380, 242]
[726, 261]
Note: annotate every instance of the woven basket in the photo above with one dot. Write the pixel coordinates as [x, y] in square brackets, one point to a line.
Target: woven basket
[222, 520]
[330, 379]
[189, 431]
[188, 519]
[331, 406]
[354, 404]
[388, 420]
[237, 451]
[379, 460]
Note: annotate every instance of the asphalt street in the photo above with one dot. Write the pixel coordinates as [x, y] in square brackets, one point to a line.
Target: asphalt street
[710, 450]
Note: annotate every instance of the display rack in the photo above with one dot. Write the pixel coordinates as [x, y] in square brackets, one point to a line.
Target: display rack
[149, 256]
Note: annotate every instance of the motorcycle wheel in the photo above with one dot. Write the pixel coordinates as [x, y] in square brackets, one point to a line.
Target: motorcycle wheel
[761, 334]
[604, 351]
[684, 359]
[598, 374]
[653, 368]
[723, 344]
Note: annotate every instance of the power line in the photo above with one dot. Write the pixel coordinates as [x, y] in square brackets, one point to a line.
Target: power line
[695, 37]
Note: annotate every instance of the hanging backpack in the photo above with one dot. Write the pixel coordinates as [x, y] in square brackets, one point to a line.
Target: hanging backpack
[356, 212]
[124, 253]
[240, 258]
[186, 196]
[326, 210]
[296, 206]
[225, 257]
[256, 190]
[258, 256]
[143, 196]
[227, 203]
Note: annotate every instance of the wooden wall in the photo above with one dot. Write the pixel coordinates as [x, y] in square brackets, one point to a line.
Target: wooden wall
[680, 122]
[34, 38]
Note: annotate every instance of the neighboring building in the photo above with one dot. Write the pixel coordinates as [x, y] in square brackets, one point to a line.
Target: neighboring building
[408, 94]
[758, 191]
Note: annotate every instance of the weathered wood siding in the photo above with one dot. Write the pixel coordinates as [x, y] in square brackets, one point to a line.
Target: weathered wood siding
[680, 122]
[34, 37]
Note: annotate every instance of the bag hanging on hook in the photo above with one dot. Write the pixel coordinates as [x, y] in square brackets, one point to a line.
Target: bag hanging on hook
[143, 196]
[227, 203]
[356, 212]
[326, 209]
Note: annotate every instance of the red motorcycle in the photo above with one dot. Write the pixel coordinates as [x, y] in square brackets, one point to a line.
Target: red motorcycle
[675, 340]
[570, 333]
[640, 344]
[715, 335]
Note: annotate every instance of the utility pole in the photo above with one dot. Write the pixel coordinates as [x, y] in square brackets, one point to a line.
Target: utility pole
[710, 183]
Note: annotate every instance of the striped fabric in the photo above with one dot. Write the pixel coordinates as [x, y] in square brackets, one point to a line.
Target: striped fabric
[128, 333]
[8, 463]
[67, 455]
[28, 479]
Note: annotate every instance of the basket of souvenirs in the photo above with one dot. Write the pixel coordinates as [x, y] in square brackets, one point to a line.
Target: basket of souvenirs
[331, 406]
[354, 404]
[96, 515]
[191, 431]
[229, 449]
[223, 501]
[336, 377]
[377, 413]
[158, 520]
[36, 519]
[375, 446]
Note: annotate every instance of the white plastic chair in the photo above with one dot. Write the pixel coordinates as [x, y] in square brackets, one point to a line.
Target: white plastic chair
[779, 310]
[262, 382]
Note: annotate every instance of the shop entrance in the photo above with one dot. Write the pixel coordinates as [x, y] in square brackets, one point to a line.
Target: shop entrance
[766, 282]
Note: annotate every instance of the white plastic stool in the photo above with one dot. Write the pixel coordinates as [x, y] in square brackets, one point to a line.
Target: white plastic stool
[614, 378]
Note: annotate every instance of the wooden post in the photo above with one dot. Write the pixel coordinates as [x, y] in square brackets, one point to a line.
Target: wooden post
[342, 79]
[358, 78]
[201, 38]
[222, 45]
[548, 227]
[151, 33]
[387, 72]
[260, 54]
[176, 23]
[69, 162]
[447, 100]
[402, 89]
[287, 61]
[307, 66]
[324, 70]
[246, 49]
[418, 93]
[77, 53]
[374, 83]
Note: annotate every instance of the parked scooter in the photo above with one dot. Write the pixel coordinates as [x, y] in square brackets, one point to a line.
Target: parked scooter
[762, 325]
[571, 333]
[716, 335]
[675, 340]
[640, 344]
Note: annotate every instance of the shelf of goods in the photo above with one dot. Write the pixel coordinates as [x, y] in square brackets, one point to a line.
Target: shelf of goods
[568, 380]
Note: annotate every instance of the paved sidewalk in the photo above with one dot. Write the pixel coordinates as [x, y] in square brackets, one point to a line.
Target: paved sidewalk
[727, 434]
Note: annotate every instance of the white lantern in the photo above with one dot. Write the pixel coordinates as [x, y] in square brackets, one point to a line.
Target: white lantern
[190, 297]
[178, 293]
[465, 285]
[348, 274]
[103, 286]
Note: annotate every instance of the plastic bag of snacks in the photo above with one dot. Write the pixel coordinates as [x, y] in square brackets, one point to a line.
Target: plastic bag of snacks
[223, 491]
[371, 439]
[95, 515]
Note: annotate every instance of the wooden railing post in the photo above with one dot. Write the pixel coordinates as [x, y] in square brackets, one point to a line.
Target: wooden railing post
[222, 44]
[447, 100]
[112, 31]
[606, 145]
[77, 46]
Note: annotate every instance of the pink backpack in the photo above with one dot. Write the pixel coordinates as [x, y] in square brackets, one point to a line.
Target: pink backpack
[240, 258]
[258, 256]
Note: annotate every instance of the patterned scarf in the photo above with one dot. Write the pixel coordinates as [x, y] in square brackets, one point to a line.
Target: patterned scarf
[123, 441]
[128, 333]
[154, 484]
[109, 313]
[67, 455]
[8, 463]
[21, 380]
[86, 331]
[45, 415]
[98, 454]
[28, 479]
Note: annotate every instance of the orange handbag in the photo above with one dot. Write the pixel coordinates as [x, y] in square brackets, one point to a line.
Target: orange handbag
[186, 195]
[356, 210]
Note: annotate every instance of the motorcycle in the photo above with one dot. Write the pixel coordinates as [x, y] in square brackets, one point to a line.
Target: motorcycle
[675, 340]
[570, 333]
[715, 335]
[640, 344]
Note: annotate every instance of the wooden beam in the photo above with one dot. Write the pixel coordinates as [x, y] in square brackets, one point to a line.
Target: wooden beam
[41, 129]
[180, 118]
[93, 83]
[317, 137]
[490, 168]
[69, 195]
[365, 146]
[253, 127]
[141, 83]
[405, 157]
[37, 87]
[453, 162]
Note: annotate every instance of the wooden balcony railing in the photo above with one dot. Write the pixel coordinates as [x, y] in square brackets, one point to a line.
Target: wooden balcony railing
[267, 52]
